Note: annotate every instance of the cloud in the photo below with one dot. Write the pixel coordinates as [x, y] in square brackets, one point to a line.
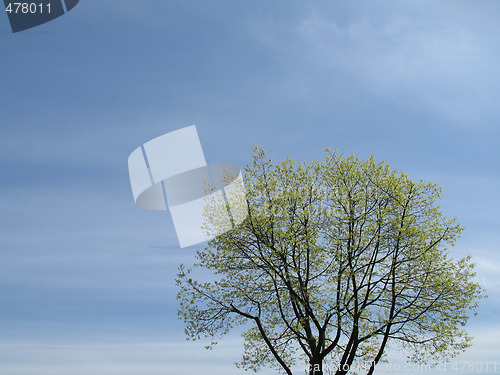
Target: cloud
[74, 237]
[487, 270]
[163, 357]
[433, 59]
[113, 358]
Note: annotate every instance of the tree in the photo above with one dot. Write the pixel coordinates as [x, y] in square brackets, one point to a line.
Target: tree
[336, 258]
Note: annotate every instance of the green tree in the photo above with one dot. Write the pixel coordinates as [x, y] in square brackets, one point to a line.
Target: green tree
[338, 258]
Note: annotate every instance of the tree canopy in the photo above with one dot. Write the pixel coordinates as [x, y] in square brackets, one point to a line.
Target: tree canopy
[342, 258]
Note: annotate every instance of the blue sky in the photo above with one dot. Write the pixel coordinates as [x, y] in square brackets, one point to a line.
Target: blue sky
[86, 287]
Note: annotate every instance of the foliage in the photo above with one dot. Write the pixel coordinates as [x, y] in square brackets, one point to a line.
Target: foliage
[338, 257]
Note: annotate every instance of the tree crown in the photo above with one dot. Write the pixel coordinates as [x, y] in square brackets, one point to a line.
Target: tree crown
[336, 257]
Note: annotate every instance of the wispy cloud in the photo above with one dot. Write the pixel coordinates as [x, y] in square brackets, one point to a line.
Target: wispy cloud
[441, 65]
[113, 358]
[487, 270]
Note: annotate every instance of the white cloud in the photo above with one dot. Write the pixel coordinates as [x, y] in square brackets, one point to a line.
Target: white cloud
[190, 358]
[145, 358]
[430, 58]
[487, 270]
[67, 237]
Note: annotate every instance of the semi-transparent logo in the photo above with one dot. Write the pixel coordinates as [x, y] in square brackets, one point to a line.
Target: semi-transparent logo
[25, 15]
[171, 171]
